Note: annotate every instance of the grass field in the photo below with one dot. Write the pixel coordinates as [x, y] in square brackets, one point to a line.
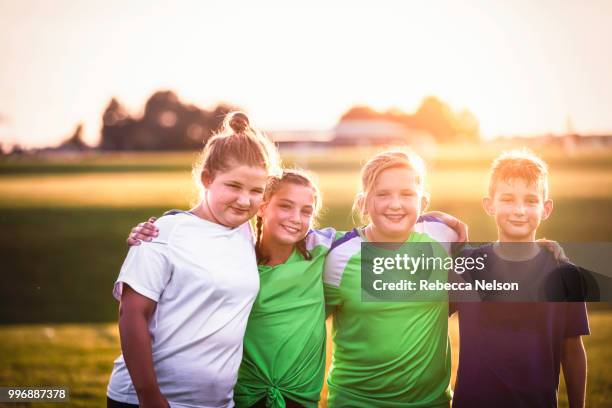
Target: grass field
[64, 221]
[80, 357]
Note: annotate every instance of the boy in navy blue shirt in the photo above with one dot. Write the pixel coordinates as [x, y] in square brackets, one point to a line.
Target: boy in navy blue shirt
[511, 353]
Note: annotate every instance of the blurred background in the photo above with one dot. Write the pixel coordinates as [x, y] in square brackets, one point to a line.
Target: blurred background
[105, 104]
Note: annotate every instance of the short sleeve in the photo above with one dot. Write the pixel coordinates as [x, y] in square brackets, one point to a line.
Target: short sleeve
[332, 276]
[437, 230]
[146, 269]
[332, 298]
[577, 321]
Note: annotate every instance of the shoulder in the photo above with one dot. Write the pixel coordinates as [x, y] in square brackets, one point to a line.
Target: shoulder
[469, 251]
[320, 237]
[435, 228]
[341, 252]
[169, 223]
[579, 284]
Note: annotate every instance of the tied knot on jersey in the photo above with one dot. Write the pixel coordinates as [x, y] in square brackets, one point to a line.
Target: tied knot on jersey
[274, 398]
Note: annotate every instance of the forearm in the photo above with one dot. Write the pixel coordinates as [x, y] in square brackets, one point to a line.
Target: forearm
[137, 353]
[574, 365]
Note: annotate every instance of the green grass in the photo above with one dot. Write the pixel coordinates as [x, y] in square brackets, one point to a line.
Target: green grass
[81, 357]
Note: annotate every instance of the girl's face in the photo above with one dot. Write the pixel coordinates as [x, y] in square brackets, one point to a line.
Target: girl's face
[287, 216]
[234, 195]
[395, 202]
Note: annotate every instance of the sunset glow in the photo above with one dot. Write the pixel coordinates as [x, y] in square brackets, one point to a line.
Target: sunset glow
[522, 67]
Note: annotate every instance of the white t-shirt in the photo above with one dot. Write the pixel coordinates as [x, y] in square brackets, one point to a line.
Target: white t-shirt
[204, 279]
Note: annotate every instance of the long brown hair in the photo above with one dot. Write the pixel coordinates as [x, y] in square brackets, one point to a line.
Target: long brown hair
[273, 184]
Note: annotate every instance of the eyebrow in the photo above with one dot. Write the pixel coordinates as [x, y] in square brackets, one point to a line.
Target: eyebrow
[386, 190]
[238, 183]
[293, 202]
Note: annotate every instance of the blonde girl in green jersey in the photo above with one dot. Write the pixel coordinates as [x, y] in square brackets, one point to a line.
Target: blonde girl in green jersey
[387, 354]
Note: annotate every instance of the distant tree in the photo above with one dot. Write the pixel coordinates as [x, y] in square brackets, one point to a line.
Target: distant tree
[360, 113]
[436, 117]
[116, 125]
[74, 142]
[114, 114]
[167, 124]
[433, 116]
[467, 127]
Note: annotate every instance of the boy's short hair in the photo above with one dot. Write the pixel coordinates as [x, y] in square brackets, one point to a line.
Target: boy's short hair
[522, 164]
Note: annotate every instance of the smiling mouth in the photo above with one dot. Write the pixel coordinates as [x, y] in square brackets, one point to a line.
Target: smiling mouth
[395, 217]
[239, 210]
[291, 230]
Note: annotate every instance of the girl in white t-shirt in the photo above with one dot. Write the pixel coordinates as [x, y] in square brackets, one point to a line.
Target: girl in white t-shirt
[186, 294]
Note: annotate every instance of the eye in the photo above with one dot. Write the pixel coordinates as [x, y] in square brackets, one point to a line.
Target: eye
[307, 213]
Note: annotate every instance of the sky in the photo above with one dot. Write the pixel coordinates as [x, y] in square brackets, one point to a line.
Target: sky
[523, 67]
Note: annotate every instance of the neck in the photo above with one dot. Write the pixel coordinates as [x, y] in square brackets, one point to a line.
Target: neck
[374, 234]
[275, 252]
[501, 237]
[201, 210]
[516, 250]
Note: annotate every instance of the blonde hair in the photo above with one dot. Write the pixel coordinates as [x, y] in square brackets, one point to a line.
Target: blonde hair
[521, 164]
[235, 143]
[274, 183]
[379, 163]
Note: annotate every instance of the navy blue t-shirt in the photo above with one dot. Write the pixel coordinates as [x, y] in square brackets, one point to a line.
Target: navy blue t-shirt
[510, 352]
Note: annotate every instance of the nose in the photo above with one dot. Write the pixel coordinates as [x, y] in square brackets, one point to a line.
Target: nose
[519, 209]
[243, 200]
[294, 216]
[395, 203]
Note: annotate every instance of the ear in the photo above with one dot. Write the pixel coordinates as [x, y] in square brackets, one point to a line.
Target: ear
[487, 204]
[424, 202]
[206, 178]
[361, 204]
[548, 207]
[261, 209]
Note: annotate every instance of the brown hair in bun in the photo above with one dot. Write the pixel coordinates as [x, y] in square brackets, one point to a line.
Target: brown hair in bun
[237, 121]
[236, 143]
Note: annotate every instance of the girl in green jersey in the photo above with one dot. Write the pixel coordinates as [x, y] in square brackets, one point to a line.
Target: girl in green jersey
[284, 345]
[387, 354]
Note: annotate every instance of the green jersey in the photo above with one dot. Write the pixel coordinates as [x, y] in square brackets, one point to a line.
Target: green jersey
[284, 343]
[386, 354]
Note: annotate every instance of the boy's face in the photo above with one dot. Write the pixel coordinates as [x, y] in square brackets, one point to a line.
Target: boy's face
[518, 208]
